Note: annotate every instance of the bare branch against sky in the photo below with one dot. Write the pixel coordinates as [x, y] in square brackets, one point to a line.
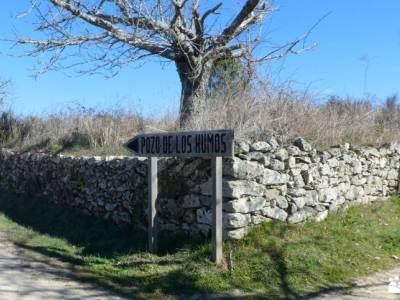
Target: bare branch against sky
[106, 35]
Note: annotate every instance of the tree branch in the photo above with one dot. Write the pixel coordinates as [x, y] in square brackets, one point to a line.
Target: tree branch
[208, 13]
[247, 16]
[155, 48]
[290, 48]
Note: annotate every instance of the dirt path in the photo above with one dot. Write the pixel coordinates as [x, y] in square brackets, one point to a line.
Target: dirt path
[373, 287]
[23, 276]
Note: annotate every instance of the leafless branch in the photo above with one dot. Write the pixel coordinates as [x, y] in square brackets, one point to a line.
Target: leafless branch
[4, 85]
[252, 12]
[292, 47]
[90, 36]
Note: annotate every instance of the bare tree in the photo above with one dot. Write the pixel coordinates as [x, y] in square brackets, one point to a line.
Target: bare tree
[4, 85]
[109, 34]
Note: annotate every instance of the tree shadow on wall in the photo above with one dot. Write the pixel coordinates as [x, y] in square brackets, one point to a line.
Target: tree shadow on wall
[100, 239]
[94, 235]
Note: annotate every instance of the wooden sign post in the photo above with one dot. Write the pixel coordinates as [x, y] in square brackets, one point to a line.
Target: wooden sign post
[216, 175]
[152, 183]
[213, 144]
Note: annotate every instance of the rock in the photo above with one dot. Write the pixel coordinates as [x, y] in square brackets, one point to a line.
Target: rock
[281, 202]
[273, 141]
[296, 192]
[393, 174]
[282, 154]
[298, 217]
[168, 227]
[245, 205]
[354, 193]
[276, 165]
[275, 213]
[307, 176]
[291, 163]
[168, 207]
[257, 156]
[260, 146]
[358, 180]
[243, 169]
[236, 234]
[191, 168]
[305, 160]
[295, 172]
[272, 177]
[321, 183]
[333, 162]
[293, 151]
[394, 147]
[204, 216]
[191, 201]
[189, 216]
[110, 207]
[243, 156]
[242, 147]
[234, 188]
[311, 198]
[333, 181]
[371, 152]
[382, 162]
[325, 170]
[335, 151]
[299, 201]
[327, 195]
[302, 144]
[357, 167]
[321, 216]
[324, 156]
[298, 181]
[203, 229]
[236, 220]
[266, 161]
[271, 194]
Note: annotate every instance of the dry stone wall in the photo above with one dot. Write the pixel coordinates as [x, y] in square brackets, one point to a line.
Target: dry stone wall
[264, 181]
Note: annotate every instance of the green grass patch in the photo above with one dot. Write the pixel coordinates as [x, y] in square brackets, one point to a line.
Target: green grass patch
[275, 261]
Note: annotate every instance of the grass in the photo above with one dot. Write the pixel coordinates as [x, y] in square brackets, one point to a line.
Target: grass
[275, 261]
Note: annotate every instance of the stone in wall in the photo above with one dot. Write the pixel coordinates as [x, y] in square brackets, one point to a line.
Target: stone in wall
[264, 181]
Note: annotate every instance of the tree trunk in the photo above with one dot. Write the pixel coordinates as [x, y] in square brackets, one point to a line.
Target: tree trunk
[194, 90]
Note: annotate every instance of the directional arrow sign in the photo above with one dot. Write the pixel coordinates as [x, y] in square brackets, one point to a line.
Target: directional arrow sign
[210, 143]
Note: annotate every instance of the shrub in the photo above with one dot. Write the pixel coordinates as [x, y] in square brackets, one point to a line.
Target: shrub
[255, 111]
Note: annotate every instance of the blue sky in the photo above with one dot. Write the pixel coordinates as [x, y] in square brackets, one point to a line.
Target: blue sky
[358, 54]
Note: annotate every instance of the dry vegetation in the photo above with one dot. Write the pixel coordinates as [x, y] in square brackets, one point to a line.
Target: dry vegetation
[287, 113]
[255, 111]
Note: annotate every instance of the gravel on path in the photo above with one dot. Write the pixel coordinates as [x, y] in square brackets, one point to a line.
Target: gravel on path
[25, 275]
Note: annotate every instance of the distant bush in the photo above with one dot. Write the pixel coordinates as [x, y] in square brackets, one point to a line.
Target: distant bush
[76, 128]
[255, 111]
[8, 126]
[262, 111]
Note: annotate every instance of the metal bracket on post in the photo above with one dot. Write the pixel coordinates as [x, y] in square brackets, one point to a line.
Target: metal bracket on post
[216, 166]
[152, 197]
